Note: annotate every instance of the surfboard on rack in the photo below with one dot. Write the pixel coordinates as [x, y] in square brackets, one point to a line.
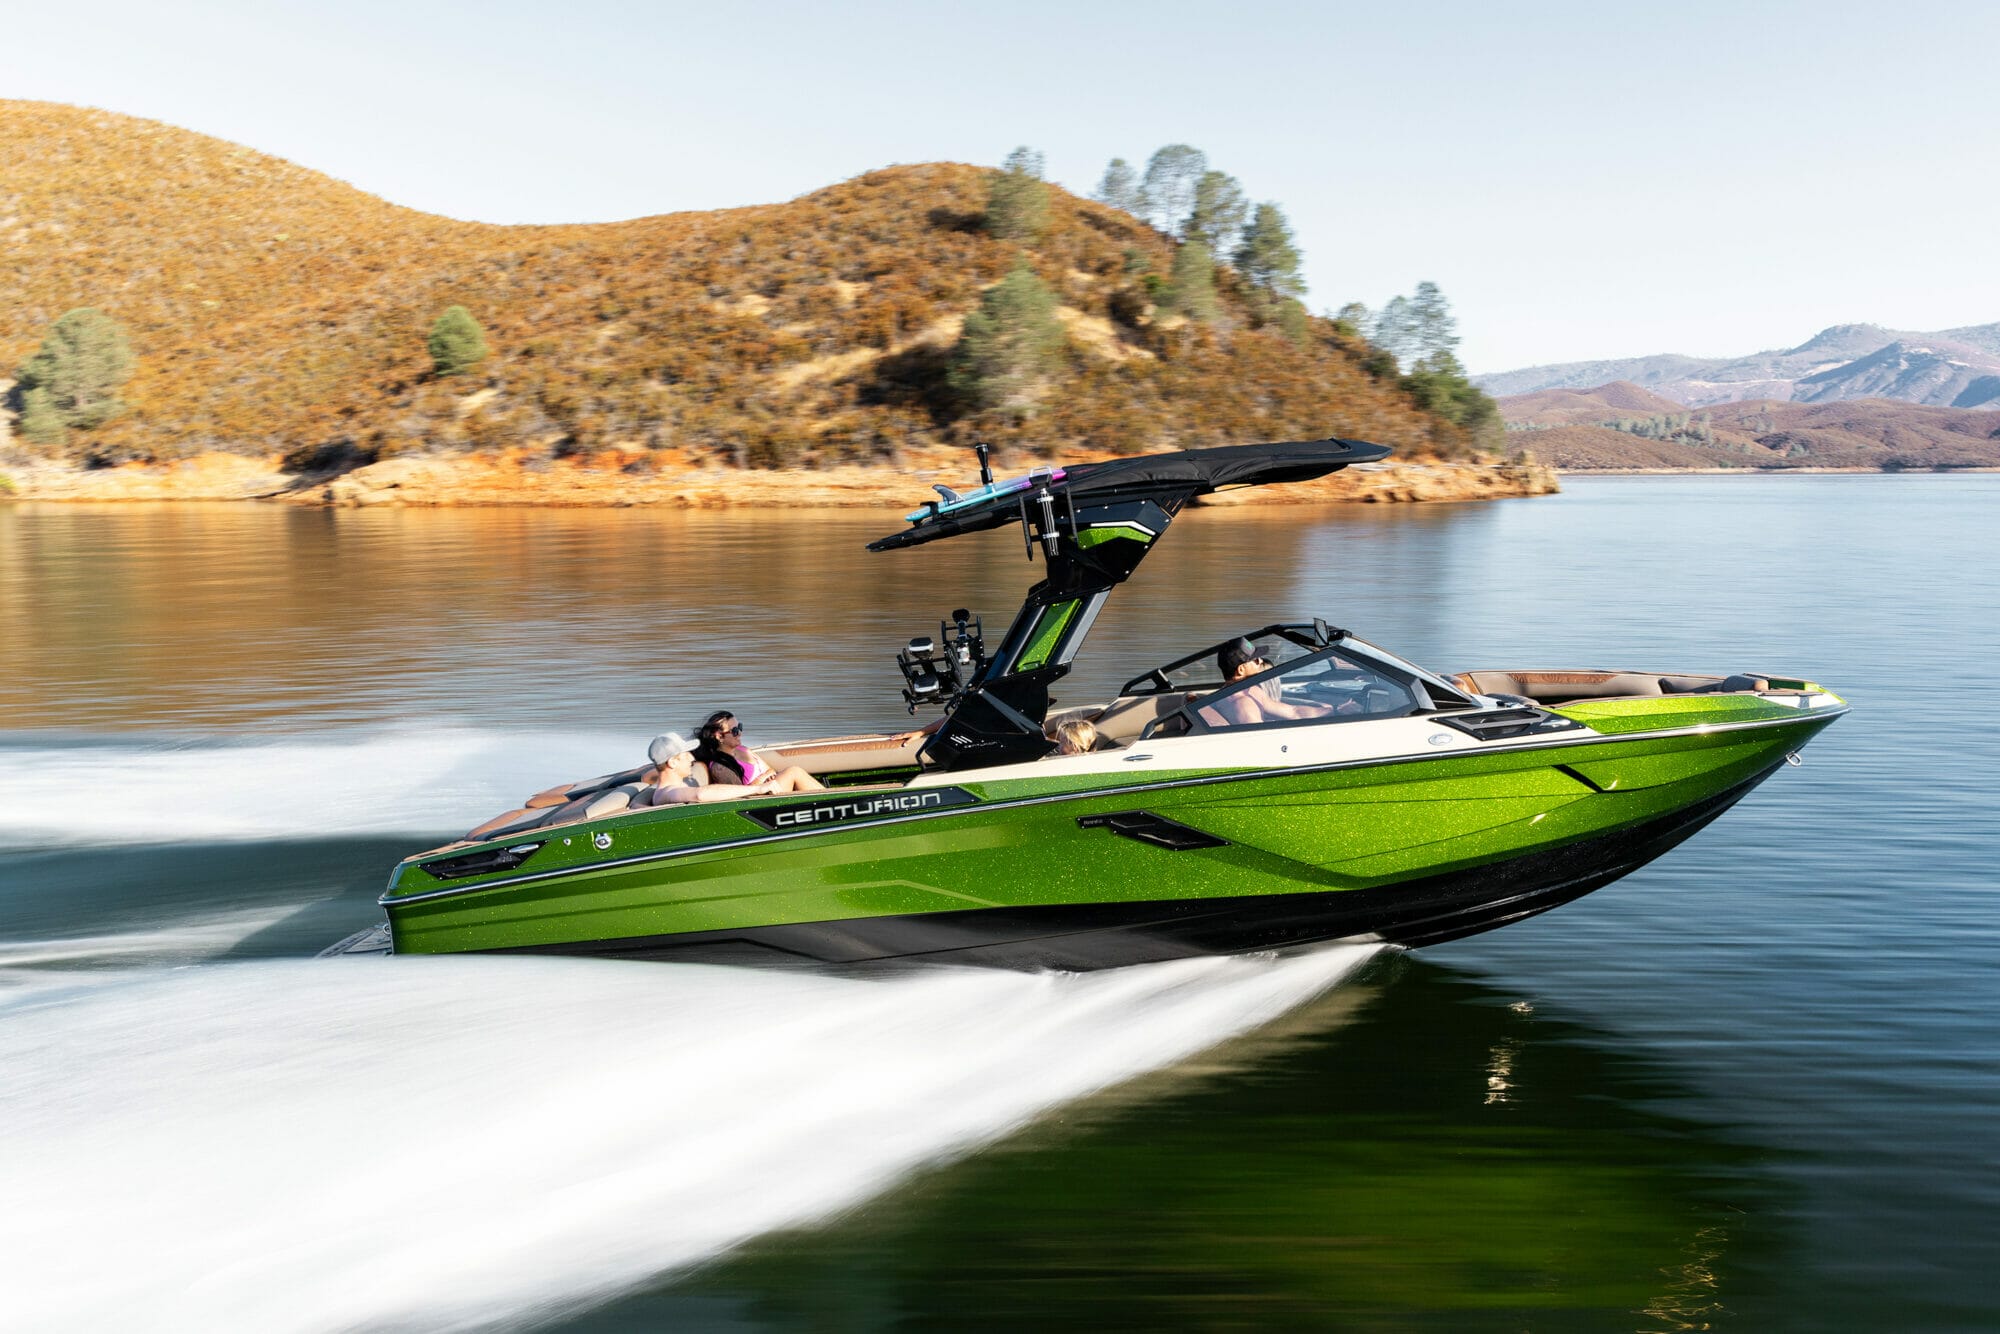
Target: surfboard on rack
[991, 491]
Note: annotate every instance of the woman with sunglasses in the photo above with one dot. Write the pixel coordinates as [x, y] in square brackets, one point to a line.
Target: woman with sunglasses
[675, 781]
[721, 748]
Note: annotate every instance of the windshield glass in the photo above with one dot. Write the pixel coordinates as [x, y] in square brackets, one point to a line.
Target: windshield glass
[1442, 691]
[1327, 687]
[1203, 673]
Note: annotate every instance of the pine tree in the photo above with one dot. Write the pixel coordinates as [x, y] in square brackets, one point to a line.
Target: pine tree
[1171, 177]
[1354, 320]
[1120, 188]
[1191, 288]
[71, 383]
[1010, 345]
[1017, 199]
[1216, 217]
[456, 342]
[1395, 330]
[1433, 331]
[1025, 161]
[1270, 258]
[1421, 331]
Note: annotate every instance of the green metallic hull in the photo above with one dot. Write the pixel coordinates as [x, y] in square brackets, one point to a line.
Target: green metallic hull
[1271, 857]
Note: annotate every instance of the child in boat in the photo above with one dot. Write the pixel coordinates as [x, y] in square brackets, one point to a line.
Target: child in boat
[1076, 737]
[730, 761]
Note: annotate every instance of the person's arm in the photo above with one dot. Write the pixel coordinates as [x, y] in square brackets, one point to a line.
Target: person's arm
[1271, 706]
[713, 792]
[928, 729]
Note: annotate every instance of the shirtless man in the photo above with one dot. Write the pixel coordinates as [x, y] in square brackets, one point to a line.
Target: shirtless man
[1239, 660]
[674, 754]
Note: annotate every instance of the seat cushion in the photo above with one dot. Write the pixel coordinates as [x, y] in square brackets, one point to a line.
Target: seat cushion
[1124, 719]
[613, 800]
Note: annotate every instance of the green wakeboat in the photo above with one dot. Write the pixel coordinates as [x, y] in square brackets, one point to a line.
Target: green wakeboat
[1322, 789]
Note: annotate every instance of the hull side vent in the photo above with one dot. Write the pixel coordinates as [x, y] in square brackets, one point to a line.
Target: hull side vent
[1146, 827]
[480, 863]
[1497, 724]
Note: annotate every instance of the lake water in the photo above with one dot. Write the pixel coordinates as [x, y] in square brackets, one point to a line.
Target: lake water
[1754, 1086]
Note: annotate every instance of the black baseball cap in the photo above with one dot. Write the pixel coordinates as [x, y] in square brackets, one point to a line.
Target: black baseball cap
[1234, 654]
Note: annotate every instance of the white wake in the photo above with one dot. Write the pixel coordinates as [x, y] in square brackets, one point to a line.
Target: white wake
[169, 943]
[459, 1142]
[417, 781]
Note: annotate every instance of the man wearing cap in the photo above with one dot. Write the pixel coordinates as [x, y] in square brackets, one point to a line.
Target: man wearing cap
[1239, 660]
[674, 754]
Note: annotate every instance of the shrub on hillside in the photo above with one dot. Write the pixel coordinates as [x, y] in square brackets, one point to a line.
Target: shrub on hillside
[115, 453]
[456, 342]
[71, 383]
[40, 423]
[1010, 345]
[1439, 386]
[1287, 314]
[330, 456]
[1017, 202]
[1191, 289]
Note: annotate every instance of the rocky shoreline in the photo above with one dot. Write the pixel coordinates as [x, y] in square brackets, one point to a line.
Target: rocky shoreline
[612, 481]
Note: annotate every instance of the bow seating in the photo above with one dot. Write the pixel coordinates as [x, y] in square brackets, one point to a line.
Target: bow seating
[1552, 687]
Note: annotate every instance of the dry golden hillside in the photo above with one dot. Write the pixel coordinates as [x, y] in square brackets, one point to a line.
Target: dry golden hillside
[275, 310]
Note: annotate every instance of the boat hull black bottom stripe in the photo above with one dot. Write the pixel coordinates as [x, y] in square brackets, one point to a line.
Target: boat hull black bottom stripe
[1424, 911]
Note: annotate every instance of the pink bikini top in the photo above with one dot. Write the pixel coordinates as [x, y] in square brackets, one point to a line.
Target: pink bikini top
[759, 770]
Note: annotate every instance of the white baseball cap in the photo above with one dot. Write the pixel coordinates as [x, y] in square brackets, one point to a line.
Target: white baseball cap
[667, 745]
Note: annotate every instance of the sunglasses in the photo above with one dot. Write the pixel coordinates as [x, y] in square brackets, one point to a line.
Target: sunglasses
[730, 731]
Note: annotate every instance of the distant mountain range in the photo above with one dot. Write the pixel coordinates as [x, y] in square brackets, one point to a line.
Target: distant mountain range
[1957, 368]
[1601, 403]
[1621, 426]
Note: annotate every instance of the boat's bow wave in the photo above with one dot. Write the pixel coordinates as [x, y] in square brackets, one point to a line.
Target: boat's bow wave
[453, 1142]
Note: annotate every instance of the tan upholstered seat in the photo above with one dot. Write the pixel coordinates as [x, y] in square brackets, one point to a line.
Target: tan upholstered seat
[1550, 687]
[498, 822]
[1120, 721]
[844, 754]
[613, 800]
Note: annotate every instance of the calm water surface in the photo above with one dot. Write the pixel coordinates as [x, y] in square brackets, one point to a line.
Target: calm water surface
[1754, 1086]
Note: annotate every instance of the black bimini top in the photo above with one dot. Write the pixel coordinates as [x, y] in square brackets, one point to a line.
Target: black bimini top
[1169, 480]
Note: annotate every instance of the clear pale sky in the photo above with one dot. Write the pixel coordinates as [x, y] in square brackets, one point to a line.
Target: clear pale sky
[1583, 180]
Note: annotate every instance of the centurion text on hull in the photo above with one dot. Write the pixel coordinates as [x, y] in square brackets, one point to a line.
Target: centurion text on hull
[1335, 793]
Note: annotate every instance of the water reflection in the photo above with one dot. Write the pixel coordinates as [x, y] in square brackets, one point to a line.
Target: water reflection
[198, 617]
[1351, 1169]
